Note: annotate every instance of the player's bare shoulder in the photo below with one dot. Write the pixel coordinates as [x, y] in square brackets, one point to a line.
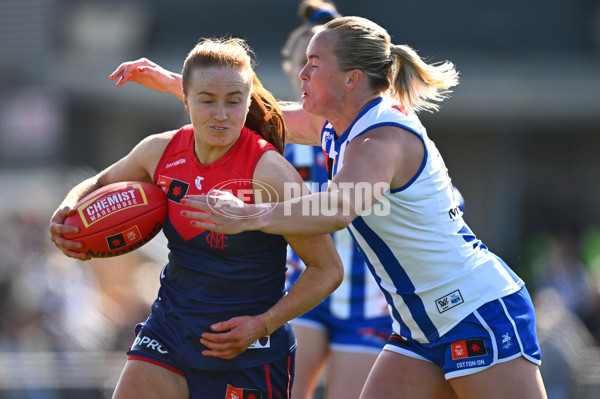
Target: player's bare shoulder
[157, 142]
[149, 151]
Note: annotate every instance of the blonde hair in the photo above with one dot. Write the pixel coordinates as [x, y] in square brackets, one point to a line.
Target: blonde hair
[417, 85]
[264, 115]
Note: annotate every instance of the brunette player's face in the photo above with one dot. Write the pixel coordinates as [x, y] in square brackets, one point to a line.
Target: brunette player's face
[217, 101]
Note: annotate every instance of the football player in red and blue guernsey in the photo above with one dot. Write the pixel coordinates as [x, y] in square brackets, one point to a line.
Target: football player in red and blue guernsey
[218, 327]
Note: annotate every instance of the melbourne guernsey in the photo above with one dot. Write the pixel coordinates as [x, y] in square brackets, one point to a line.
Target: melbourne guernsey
[212, 277]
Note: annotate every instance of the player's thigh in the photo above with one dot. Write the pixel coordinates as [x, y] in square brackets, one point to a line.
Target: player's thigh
[311, 357]
[313, 347]
[141, 379]
[516, 379]
[348, 372]
[398, 376]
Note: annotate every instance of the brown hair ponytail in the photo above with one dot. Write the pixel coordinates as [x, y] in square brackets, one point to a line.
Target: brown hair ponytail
[265, 116]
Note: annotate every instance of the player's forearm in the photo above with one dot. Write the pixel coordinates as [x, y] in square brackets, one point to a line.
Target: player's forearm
[79, 191]
[314, 284]
[318, 213]
[172, 84]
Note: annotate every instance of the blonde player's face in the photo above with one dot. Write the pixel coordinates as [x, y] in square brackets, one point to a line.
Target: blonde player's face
[296, 62]
[217, 100]
[322, 80]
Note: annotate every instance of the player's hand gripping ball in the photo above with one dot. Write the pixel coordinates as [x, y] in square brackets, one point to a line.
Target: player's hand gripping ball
[118, 218]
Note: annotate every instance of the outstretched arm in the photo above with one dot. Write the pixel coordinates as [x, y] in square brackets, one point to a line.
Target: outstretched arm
[148, 74]
[383, 158]
[302, 127]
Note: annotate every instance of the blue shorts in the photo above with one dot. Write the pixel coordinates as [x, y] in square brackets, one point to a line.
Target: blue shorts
[354, 335]
[499, 331]
[271, 380]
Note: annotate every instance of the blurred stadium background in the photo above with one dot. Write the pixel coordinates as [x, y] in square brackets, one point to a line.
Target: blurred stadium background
[520, 136]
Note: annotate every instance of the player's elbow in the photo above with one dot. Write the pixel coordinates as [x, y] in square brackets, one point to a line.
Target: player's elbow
[335, 274]
[348, 214]
[345, 209]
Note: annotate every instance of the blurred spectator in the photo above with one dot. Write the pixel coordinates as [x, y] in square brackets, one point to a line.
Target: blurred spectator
[565, 343]
[566, 300]
[591, 256]
[561, 267]
[53, 304]
[558, 263]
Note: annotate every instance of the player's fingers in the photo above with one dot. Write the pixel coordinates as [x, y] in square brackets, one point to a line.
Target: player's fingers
[123, 73]
[122, 79]
[226, 350]
[60, 229]
[207, 226]
[220, 354]
[60, 214]
[117, 72]
[201, 202]
[76, 255]
[63, 243]
[215, 197]
[201, 220]
[196, 215]
[69, 247]
[216, 338]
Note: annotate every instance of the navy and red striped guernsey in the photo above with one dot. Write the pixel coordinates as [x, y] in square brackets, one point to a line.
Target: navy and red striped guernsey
[212, 277]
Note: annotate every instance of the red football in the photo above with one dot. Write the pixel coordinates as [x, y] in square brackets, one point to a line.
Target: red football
[118, 218]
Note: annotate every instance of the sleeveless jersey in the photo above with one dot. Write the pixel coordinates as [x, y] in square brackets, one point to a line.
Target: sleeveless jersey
[212, 277]
[358, 296]
[430, 266]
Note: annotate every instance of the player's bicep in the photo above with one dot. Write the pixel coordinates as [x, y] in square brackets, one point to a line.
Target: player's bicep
[302, 127]
[369, 169]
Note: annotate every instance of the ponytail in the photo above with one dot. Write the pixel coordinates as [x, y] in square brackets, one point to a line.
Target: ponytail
[418, 85]
[265, 117]
[362, 44]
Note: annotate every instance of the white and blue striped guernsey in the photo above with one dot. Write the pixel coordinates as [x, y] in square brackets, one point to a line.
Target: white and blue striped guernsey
[430, 266]
[358, 296]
